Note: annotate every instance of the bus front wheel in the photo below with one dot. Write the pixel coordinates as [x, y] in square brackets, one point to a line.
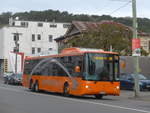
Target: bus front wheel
[66, 89]
[98, 96]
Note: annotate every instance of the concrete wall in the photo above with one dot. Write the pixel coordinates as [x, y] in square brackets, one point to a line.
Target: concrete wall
[144, 63]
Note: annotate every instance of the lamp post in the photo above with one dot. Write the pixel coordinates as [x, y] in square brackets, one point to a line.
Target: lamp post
[16, 39]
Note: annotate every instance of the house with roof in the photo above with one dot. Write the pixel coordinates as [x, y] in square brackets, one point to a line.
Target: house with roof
[78, 28]
[145, 41]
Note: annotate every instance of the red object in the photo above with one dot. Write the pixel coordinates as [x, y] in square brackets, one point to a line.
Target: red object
[22, 59]
[136, 43]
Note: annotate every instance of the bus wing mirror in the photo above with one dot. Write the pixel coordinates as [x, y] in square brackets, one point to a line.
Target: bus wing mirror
[77, 69]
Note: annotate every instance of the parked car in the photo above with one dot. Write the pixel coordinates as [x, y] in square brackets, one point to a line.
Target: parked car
[15, 79]
[18, 79]
[6, 77]
[127, 82]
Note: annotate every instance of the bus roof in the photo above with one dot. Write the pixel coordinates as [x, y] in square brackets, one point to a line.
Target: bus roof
[74, 51]
[85, 50]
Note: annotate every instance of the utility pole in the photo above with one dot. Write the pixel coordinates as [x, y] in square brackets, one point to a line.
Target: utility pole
[16, 39]
[136, 58]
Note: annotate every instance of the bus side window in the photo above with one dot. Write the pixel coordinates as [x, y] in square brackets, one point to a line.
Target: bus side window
[36, 70]
[54, 69]
[27, 67]
[50, 69]
[77, 61]
[45, 70]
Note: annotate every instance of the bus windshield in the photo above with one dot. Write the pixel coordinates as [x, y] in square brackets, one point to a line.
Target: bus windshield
[101, 67]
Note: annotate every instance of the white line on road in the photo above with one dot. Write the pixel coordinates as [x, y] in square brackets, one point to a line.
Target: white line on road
[82, 101]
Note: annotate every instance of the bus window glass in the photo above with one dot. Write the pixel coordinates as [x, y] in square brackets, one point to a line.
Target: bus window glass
[116, 69]
[99, 67]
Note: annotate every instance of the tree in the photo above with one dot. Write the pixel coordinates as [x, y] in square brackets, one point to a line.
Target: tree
[58, 16]
[105, 36]
[4, 18]
[144, 53]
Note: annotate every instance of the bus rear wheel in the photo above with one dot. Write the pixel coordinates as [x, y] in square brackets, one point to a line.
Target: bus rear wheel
[66, 89]
[36, 86]
[98, 96]
[32, 86]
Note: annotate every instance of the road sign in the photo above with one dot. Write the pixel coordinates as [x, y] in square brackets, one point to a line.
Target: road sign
[136, 48]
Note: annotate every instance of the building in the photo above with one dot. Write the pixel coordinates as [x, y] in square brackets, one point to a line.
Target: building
[32, 38]
[80, 27]
[145, 41]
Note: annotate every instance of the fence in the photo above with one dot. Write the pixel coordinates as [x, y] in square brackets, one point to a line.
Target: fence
[144, 64]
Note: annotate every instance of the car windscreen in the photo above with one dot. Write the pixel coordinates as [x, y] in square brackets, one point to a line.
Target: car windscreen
[141, 77]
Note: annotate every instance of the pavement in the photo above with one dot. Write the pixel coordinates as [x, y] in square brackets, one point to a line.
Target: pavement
[143, 95]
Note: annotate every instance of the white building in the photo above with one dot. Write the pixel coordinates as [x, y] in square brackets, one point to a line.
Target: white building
[34, 38]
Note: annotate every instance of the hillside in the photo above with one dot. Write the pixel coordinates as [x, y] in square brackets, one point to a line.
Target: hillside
[50, 15]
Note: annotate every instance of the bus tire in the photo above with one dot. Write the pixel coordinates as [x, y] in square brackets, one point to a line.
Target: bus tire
[32, 86]
[66, 89]
[98, 96]
[36, 86]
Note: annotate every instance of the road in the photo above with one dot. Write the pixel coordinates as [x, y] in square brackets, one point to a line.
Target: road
[16, 99]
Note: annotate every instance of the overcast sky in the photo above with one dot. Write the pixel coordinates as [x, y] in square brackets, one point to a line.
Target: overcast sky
[98, 7]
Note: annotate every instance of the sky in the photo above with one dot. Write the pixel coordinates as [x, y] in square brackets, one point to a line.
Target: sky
[114, 8]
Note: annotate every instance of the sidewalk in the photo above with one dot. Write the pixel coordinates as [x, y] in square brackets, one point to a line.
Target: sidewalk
[144, 95]
[1, 79]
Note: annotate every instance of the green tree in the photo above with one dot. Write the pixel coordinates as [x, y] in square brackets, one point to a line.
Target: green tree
[4, 18]
[105, 36]
[58, 16]
[144, 53]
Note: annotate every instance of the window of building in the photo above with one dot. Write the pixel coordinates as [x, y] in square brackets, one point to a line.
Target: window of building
[24, 24]
[50, 49]
[66, 25]
[53, 25]
[39, 37]
[40, 24]
[50, 38]
[33, 37]
[16, 49]
[13, 24]
[33, 50]
[38, 50]
[16, 37]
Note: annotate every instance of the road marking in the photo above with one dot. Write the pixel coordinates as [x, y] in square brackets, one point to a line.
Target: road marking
[82, 101]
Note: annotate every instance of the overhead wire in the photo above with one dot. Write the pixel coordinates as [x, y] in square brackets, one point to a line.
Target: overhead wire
[120, 7]
[104, 6]
[127, 3]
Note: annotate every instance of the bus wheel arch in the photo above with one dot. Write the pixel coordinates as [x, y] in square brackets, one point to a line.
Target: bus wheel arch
[32, 85]
[66, 89]
[98, 96]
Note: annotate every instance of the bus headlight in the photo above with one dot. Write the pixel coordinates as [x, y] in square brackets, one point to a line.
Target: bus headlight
[86, 86]
[117, 87]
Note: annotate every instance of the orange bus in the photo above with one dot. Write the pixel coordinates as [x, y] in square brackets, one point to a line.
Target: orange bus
[75, 71]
